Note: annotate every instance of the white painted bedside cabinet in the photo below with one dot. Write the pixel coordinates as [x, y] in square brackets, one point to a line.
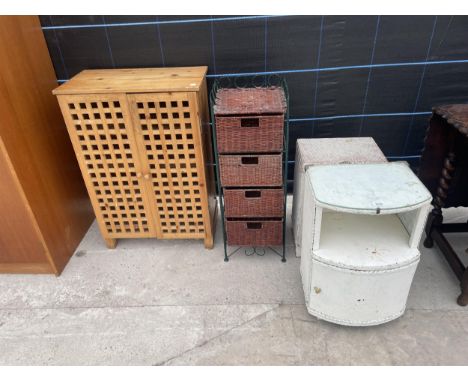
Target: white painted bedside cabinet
[362, 224]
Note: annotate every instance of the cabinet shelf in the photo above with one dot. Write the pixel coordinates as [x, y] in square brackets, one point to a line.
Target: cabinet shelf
[364, 242]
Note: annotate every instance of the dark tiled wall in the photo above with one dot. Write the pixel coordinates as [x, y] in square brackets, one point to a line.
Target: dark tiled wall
[347, 75]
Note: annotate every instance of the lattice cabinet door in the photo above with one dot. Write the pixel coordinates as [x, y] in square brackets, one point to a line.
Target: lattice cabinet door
[168, 133]
[101, 131]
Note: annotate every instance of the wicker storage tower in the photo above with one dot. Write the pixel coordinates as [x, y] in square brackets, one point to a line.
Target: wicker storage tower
[143, 143]
[250, 136]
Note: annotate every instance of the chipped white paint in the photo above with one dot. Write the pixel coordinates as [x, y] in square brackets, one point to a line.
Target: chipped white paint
[359, 241]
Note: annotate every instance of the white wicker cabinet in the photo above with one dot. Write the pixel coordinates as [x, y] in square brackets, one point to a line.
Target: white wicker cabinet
[361, 228]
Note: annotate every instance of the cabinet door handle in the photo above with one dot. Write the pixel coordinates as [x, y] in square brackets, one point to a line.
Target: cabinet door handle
[146, 176]
[139, 174]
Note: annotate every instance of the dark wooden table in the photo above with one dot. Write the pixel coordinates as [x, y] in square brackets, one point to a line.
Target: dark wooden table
[444, 171]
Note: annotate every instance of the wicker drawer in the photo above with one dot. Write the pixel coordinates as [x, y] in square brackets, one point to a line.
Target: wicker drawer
[254, 232]
[254, 203]
[254, 133]
[250, 170]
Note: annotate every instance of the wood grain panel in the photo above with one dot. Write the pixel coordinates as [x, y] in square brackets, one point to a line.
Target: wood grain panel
[36, 139]
[104, 81]
[167, 130]
[20, 238]
[208, 159]
[101, 131]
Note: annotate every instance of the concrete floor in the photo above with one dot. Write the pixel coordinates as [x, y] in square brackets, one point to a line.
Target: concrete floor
[152, 302]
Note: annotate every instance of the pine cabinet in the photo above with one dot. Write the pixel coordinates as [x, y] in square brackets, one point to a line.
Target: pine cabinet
[142, 140]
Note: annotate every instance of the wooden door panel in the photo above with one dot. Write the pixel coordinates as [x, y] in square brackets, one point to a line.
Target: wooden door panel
[167, 130]
[102, 135]
[20, 239]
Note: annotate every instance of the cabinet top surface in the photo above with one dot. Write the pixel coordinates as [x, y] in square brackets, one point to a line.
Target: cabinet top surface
[322, 151]
[456, 115]
[134, 80]
[368, 188]
[268, 100]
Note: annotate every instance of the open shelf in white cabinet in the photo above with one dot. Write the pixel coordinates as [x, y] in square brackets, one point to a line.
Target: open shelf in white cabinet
[363, 241]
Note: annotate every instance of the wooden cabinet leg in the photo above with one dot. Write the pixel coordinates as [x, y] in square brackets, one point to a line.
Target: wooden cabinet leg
[428, 241]
[110, 243]
[463, 298]
[209, 242]
[435, 218]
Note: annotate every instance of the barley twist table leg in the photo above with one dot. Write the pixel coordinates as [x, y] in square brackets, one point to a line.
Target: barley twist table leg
[435, 218]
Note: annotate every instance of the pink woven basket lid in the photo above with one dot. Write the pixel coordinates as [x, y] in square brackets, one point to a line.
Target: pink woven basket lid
[270, 100]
